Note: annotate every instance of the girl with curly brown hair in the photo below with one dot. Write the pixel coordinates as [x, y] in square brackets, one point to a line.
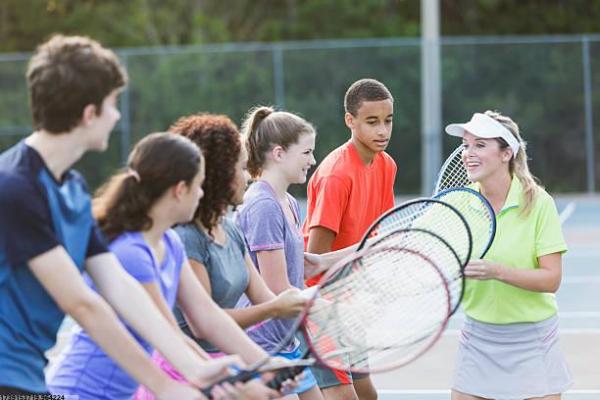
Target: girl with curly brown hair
[215, 247]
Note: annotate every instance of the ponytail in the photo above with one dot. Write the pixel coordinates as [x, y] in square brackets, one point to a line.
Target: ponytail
[255, 143]
[156, 163]
[264, 128]
[518, 165]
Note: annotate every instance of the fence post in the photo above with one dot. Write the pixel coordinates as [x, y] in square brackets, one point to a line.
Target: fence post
[589, 116]
[431, 94]
[125, 118]
[278, 83]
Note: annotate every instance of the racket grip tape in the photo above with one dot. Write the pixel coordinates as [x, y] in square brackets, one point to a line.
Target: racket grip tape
[242, 376]
[283, 375]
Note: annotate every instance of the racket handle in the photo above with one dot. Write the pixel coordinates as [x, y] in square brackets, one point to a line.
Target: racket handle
[206, 392]
[283, 375]
[242, 376]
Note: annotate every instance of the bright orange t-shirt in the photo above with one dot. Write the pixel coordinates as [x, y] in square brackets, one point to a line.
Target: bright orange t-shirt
[346, 196]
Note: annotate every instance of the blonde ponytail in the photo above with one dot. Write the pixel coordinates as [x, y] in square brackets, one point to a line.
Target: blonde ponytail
[518, 165]
[254, 143]
[263, 128]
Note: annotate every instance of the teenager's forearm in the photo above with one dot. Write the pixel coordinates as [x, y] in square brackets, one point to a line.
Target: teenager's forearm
[191, 343]
[101, 323]
[246, 317]
[278, 287]
[215, 325]
[136, 307]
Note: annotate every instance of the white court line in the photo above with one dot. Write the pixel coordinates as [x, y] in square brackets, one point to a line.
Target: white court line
[561, 314]
[581, 251]
[413, 391]
[580, 279]
[578, 314]
[562, 331]
[447, 391]
[567, 212]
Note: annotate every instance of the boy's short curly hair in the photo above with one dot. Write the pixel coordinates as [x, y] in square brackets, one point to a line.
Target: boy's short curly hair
[364, 90]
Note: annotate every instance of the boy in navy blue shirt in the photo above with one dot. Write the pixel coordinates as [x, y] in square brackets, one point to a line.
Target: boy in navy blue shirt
[48, 236]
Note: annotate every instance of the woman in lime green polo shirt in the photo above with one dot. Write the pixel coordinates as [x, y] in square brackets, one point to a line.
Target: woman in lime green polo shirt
[509, 346]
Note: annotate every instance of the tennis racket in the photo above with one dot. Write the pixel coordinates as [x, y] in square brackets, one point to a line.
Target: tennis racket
[432, 215]
[453, 173]
[438, 250]
[478, 213]
[376, 310]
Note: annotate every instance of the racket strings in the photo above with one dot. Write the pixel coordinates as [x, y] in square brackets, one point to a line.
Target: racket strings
[432, 216]
[367, 273]
[453, 173]
[366, 345]
[436, 249]
[479, 214]
[394, 302]
[428, 244]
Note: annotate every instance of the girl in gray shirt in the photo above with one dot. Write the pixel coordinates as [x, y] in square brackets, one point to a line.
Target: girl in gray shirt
[214, 245]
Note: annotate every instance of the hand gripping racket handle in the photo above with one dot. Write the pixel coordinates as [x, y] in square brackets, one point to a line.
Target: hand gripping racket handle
[242, 376]
[283, 373]
[287, 373]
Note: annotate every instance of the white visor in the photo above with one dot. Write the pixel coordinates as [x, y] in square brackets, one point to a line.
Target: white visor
[486, 127]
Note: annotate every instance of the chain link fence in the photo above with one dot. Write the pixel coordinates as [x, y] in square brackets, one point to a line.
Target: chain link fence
[548, 84]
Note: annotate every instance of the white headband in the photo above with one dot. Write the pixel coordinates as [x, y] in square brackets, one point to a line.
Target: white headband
[484, 126]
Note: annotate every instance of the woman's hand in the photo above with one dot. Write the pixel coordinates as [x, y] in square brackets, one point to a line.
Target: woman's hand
[276, 364]
[544, 279]
[289, 303]
[483, 270]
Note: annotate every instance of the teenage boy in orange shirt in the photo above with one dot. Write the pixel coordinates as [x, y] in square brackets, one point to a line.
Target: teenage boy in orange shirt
[352, 186]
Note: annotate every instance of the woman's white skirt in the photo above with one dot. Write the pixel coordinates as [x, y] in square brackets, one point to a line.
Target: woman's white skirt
[512, 361]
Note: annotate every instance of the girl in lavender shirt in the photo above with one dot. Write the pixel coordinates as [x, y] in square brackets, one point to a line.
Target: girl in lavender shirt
[280, 153]
[135, 211]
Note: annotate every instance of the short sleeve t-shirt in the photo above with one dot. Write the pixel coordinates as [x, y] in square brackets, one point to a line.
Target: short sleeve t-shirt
[520, 240]
[84, 369]
[225, 265]
[265, 228]
[346, 196]
[37, 213]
